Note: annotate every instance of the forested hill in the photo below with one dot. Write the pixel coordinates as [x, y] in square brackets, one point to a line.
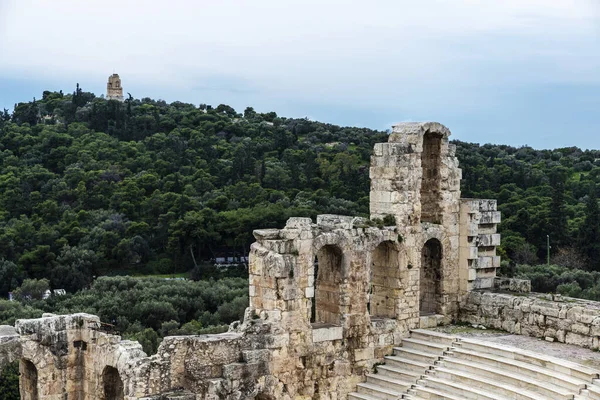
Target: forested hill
[91, 187]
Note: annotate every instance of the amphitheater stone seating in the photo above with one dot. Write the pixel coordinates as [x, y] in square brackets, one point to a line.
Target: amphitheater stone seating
[431, 365]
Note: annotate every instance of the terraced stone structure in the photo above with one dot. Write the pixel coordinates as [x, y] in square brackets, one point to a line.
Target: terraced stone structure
[328, 300]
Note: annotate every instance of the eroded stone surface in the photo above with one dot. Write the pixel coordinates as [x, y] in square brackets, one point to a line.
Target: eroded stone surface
[566, 320]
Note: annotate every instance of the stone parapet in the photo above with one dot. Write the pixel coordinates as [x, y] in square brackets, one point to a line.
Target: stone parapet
[552, 317]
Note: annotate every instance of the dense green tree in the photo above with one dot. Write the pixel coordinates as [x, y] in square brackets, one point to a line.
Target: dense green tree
[10, 277]
[557, 220]
[150, 186]
[74, 268]
[589, 232]
[9, 382]
[31, 290]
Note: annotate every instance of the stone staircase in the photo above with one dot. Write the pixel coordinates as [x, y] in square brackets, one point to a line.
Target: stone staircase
[431, 366]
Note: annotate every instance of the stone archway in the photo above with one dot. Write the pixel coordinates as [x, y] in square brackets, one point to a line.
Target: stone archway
[112, 384]
[431, 181]
[430, 285]
[385, 280]
[28, 380]
[326, 307]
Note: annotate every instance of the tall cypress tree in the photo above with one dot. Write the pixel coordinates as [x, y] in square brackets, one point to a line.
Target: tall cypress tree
[589, 232]
[557, 220]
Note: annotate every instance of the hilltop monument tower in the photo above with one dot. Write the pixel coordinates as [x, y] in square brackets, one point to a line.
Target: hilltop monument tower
[114, 90]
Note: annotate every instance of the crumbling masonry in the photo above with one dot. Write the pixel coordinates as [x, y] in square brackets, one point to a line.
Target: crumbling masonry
[327, 300]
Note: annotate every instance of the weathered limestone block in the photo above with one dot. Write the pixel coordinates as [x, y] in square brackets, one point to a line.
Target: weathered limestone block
[327, 334]
[490, 217]
[10, 346]
[512, 285]
[492, 239]
[298, 223]
[267, 234]
[335, 221]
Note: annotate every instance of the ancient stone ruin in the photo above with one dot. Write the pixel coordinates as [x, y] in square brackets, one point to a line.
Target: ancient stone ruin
[114, 90]
[329, 299]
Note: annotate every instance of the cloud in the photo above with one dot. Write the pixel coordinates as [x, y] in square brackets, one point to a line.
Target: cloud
[420, 58]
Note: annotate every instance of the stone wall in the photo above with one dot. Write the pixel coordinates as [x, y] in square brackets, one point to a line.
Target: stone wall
[74, 355]
[329, 339]
[552, 317]
[478, 241]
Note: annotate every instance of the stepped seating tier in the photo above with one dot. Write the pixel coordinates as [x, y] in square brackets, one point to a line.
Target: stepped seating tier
[431, 365]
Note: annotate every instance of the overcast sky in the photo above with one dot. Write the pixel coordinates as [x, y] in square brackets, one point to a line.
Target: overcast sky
[508, 72]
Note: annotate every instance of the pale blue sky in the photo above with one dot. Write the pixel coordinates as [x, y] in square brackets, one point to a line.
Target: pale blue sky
[508, 72]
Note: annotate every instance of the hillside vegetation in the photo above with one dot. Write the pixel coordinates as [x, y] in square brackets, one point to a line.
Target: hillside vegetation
[91, 187]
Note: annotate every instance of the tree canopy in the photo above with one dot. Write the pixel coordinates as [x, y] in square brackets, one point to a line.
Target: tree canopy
[92, 187]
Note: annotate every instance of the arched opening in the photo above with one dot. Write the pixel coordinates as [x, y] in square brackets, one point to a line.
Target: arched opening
[327, 281]
[29, 380]
[431, 182]
[430, 277]
[112, 383]
[385, 281]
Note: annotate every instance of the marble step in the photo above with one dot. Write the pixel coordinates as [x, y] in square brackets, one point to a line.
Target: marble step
[387, 382]
[407, 364]
[428, 393]
[517, 380]
[456, 389]
[555, 364]
[492, 385]
[361, 396]
[416, 355]
[593, 391]
[399, 373]
[432, 336]
[522, 368]
[424, 346]
[378, 391]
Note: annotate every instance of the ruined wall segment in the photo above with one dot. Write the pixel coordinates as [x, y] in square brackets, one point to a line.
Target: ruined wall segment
[328, 344]
[76, 357]
[415, 178]
[478, 241]
[547, 316]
